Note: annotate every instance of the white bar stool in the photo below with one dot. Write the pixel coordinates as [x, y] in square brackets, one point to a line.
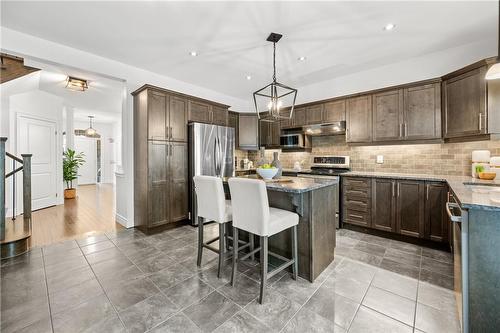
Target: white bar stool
[213, 206]
[251, 213]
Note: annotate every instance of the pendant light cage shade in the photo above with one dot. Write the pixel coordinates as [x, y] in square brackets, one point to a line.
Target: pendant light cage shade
[90, 131]
[271, 102]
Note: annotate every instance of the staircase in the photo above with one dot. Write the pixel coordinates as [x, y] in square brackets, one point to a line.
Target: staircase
[13, 67]
[15, 233]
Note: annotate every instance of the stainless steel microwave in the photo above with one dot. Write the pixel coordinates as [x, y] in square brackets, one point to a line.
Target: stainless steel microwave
[293, 140]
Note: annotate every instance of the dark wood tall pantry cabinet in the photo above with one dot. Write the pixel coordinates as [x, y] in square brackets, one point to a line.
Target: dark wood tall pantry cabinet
[160, 157]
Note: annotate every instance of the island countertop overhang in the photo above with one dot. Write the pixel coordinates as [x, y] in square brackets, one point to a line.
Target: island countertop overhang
[295, 185]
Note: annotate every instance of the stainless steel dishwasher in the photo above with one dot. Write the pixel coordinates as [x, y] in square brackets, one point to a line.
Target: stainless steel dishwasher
[460, 229]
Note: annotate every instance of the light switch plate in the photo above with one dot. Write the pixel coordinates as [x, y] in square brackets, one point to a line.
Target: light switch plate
[380, 159]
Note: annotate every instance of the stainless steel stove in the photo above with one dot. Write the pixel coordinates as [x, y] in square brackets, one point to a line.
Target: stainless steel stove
[329, 167]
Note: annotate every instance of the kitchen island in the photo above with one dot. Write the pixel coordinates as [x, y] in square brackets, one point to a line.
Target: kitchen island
[314, 201]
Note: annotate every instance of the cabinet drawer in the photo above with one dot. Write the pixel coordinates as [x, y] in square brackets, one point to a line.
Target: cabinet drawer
[357, 217]
[357, 182]
[357, 192]
[358, 205]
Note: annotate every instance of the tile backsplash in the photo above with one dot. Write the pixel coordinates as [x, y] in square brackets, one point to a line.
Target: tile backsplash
[435, 158]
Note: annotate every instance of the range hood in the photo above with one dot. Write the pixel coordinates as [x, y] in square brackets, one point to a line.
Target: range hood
[333, 128]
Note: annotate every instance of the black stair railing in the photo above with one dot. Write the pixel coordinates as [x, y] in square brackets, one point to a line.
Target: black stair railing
[26, 169]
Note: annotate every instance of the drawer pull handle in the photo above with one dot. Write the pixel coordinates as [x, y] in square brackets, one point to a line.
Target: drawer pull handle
[356, 216]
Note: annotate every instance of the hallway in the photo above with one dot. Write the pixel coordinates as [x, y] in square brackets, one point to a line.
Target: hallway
[92, 212]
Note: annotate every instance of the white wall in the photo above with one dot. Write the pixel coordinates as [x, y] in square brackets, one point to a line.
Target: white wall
[40, 105]
[107, 132]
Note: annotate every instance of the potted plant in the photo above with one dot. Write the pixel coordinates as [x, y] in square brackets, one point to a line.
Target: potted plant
[71, 162]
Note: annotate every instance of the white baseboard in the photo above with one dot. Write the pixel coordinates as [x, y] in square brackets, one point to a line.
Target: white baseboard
[122, 220]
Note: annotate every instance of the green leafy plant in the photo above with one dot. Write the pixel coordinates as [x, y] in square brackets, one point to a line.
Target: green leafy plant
[71, 162]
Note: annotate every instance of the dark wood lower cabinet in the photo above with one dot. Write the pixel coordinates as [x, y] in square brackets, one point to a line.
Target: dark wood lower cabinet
[411, 208]
[436, 219]
[384, 204]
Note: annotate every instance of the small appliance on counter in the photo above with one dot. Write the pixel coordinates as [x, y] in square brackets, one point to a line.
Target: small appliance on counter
[480, 158]
[495, 165]
[329, 167]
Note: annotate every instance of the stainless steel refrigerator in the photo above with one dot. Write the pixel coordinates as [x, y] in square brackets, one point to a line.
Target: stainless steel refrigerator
[211, 153]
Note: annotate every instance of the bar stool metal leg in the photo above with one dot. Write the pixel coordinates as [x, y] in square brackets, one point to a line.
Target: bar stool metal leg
[235, 256]
[251, 239]
[295, 258]
[222, 247]
[200, 240]
[263, 267]
[226, 235]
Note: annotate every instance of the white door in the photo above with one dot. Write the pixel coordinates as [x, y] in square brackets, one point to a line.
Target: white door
[38, 137]
[87, 173]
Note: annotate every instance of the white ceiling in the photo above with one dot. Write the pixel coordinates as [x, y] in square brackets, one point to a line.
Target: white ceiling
[103, 98]
[338, 38]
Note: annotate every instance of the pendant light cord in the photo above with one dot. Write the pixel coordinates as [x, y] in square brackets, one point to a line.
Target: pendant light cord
[274, 61]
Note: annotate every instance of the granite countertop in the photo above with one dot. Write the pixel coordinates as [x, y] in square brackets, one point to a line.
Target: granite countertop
[284, 170]
[472, 193]
[297, 185]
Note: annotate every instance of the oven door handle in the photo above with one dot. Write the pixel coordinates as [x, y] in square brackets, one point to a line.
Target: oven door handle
[453, 218]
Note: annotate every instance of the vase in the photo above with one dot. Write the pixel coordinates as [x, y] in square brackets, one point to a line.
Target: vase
[262, 158]
[277, 164]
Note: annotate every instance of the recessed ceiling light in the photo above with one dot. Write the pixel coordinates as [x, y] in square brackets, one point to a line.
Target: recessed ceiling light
[193, 53]
[302, 58]
[389, 26]
[249, 77]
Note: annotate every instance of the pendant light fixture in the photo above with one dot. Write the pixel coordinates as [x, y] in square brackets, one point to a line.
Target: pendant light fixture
[273, 97]
[494, 71]
[91, 132]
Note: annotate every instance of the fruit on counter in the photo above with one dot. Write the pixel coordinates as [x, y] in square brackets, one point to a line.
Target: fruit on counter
[267, 166]
[479, 168]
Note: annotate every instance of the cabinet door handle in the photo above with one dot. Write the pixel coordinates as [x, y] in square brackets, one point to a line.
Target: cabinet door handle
[356, 216]
[427, 192]
[480, 122]
[398, 189]
[401, 130]
[405, 130]
[393, 190]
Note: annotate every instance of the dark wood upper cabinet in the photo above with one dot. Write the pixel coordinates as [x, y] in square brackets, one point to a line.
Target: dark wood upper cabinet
[157, 116]
[410, 208]
[314, 114]
[219, 116]
[436, 219]
[334, 111]
[388, 115]
[359, 119]
[465, 100]
[269, 134]
[178, 119]
[299, 117]
[232, 121]
[384, 204]
[422, 112]
[286, 123]
[200, 112]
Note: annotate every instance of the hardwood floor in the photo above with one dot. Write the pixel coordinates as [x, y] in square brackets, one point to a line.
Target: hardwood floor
[92, 212]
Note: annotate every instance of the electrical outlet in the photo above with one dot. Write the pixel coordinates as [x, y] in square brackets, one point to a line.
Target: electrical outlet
[380, 159]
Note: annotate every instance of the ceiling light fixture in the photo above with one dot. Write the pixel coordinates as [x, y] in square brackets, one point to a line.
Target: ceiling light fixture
[193, 53]
[272, 96]
[389, 26]
[249, 77]
[76, 84]
[493, 72]
[302, 58]
[90, 132]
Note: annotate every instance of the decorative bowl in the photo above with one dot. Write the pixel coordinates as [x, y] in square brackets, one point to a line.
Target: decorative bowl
[487, 175]
[267, 173]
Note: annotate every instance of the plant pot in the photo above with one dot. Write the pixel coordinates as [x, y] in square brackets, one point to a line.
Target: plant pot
[70, 193]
